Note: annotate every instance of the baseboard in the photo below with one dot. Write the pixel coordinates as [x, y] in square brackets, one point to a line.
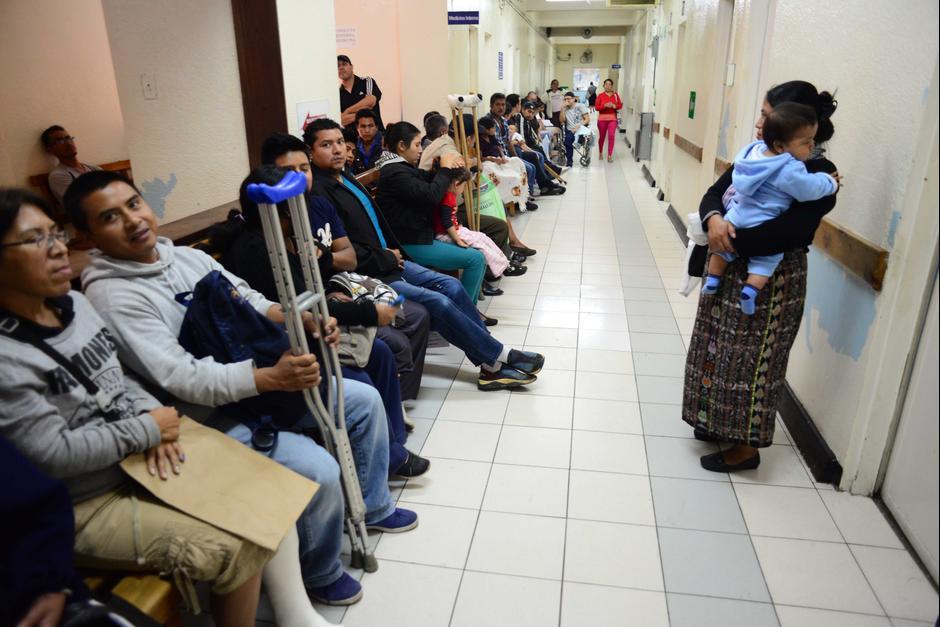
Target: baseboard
[677, 223]
[806, 437]
[822, 462]
[648, 175]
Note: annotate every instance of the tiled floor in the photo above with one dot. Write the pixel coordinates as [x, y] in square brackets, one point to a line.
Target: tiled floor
[580, 501]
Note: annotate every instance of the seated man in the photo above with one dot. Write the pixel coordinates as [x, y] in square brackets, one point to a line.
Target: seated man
[58, 143]
[368, 146]
[133, 281]
[575, 115]
[525, 149]
[408, 339]
[378, 254]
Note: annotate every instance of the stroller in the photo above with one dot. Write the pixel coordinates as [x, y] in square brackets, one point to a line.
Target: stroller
[583, 144]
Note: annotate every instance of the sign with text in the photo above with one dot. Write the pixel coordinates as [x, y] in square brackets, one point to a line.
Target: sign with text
[462, 18]
[347, 37]
[500, 63]
[691, 104]
[311, 110]
[616, 66]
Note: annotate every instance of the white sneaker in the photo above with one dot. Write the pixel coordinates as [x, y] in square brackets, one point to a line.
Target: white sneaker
[409, 423]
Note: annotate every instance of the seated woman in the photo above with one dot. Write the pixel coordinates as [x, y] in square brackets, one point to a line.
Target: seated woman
[245, 254]
[509, 173]
[409, 197]
[55, 351]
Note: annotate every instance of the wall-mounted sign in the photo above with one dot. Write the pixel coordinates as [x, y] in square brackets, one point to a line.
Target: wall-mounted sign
[347, 37]
[462, 18]
[616, 66]
[310, 110]
[691, 104]
[499, 56]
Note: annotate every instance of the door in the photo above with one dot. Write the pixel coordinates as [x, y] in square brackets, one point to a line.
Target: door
[911, 484]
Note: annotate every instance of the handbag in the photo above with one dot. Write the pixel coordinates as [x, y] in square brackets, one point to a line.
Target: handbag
[355, 342]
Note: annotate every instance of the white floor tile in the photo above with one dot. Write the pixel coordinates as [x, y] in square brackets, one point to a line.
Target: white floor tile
[900, 585]
[608, 452]
[556, 357]
[603, 322]
[510, 335]
[657, 343]
[534, 447]
[550, 383]
[786, 513]
[860, 520]
[528, 410]
[814, 574]
[527, 490]
[611, 387]
[805, 617]
[449, 482]
[602, 305]
[780, 465]
[507, 316]
[592, 414]
[555, 319]
[599, 360]
[390, 600]
[544, 336]
[610, 497]
[475, 406]
[506, 601]
[613, 554]
[442, 537]
[558, 303]
[604, 606]
[462, 440]
[605, 340]
[514, 544]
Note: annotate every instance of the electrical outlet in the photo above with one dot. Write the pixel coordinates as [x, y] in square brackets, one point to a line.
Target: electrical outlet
[148, 85]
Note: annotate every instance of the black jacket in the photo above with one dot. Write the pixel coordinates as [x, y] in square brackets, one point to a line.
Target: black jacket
[409, 197]
[373, 260]
[792, 230]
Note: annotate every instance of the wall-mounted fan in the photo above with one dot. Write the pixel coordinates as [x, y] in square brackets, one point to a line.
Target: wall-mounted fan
[587, 56]
[587, 33]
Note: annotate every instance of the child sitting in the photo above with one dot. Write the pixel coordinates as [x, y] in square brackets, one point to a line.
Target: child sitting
[447, 229]
[769, 174]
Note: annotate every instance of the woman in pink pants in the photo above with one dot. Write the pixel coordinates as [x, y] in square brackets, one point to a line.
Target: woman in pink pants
[607, 105]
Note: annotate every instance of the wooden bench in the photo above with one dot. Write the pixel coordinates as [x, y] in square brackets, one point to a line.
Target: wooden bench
[153, 596]
[41, 181]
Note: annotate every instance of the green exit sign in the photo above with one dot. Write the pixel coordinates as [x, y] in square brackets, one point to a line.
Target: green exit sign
[691, 104]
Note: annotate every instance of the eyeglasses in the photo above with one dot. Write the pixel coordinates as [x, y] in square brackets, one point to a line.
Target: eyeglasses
[43, 241]
[63, 140]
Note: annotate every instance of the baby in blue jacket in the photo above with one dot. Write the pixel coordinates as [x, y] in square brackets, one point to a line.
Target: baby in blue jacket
[768, 176]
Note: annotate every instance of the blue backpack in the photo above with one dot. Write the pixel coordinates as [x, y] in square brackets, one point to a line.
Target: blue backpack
[221, 324]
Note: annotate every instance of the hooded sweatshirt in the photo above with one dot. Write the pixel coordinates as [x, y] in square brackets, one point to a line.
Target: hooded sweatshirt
[54, 421]
[137, 301]
[766, 186]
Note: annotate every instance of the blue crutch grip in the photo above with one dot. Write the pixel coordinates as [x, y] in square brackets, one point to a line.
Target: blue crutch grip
[293, 184]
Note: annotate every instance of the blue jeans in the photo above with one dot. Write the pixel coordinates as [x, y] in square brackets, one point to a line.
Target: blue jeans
[530, 175]
[381, 373]
[537, 161]
[453, 314]
[569, 147]
[320, 526]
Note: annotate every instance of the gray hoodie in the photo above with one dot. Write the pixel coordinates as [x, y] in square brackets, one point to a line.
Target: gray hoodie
[53, 420]
[137, 301]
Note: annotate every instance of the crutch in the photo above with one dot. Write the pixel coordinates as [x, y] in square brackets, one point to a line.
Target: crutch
[332, 426]
[458, 102]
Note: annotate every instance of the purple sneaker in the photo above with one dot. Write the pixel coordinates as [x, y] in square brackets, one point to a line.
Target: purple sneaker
[397, 522]
[343, 591]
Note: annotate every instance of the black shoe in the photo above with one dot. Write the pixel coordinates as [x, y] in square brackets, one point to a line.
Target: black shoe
[528, 252]
[490, 322]
[505, 378]
[491, 290]
[716, 463]
[413, 466]
[526, 361]
[531, 206]
[553, 190]
[704, 436]
[515, 269]
[517, 257]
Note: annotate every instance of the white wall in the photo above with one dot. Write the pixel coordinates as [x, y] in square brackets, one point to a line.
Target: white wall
[188, 146]
[605, 55]
[56, 67]
[308, 56]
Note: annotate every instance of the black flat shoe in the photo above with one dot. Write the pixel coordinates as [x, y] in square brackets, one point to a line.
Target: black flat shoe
[490, 322]
[523, 250]
[531, 206]
[703, 436]
[515, 269]
[715, 462]
[491, 290]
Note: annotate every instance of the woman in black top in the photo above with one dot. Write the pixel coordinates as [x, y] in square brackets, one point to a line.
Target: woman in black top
[736, 364]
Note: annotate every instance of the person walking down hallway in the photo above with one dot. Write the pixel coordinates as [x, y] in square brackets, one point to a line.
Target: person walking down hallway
[736, 363]
[607, 105]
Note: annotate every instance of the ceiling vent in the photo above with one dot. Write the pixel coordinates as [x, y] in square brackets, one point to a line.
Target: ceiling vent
[587, 32]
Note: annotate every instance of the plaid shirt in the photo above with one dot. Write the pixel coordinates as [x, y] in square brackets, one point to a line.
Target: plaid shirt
[502, 132]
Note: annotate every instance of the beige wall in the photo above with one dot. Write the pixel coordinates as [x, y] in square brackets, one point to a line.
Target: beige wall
[56, 67]
[605, 55]
[403, 45]
[188, 146]
[847, 363]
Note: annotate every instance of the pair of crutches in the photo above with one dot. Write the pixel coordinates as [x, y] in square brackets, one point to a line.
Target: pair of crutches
[471, 193]
[332, 425]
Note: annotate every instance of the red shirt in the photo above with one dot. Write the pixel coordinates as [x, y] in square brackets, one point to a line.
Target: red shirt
[605, 113]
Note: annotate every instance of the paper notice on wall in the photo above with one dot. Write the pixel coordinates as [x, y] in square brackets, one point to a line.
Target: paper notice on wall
[311, 110]
[347, 37]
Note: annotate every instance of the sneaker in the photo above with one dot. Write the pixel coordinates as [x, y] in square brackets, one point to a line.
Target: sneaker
[526, 361]
[522, 250]
[517, 257]
[409, 423]
[515, 269]
[413, 466]
[505, 378]
[399, 521]
[531, 206]
[554, 190]
[343, 591]
[536, 191]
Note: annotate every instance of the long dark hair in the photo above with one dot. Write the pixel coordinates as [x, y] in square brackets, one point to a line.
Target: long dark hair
[805, 93]
[403, 132]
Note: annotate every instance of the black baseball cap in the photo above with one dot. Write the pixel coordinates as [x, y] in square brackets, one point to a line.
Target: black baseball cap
[528, 104]
[570, 93]
[342, 58]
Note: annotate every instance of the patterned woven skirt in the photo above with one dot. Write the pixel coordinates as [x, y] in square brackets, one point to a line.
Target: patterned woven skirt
[736, 364]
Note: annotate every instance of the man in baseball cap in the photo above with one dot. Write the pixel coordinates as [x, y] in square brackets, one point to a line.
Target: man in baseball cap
[356, 93]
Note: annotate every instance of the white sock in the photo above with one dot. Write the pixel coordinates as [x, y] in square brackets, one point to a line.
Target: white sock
[500, 360]
[285, 586]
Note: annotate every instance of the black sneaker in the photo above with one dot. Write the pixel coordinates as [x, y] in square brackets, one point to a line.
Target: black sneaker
[517, 257]
[553, 190]
[413, 466]
[531, 206]
[526, 361]
[505, 378]
[522, 250]
[515, 269]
